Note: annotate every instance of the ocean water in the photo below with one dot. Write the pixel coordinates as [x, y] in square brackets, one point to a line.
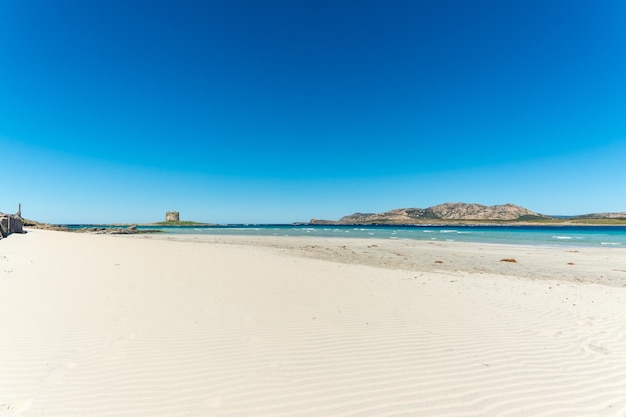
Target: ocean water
[594, 236]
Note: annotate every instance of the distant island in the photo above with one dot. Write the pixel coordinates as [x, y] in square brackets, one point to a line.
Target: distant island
[464, 213]
[172, 218]
[178, 223]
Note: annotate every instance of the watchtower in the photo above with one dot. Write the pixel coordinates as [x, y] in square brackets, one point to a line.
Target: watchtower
[172, 216]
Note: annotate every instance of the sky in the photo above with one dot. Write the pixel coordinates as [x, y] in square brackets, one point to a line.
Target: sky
[281, 111]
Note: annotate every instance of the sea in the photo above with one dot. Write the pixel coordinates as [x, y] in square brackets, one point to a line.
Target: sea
[586, 236]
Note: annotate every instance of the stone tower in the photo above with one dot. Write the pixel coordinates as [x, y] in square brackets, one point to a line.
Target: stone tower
[172, 216]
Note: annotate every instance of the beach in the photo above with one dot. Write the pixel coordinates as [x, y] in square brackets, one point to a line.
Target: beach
[162, 325]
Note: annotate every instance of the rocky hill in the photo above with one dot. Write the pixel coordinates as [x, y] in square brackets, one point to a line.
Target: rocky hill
[440, 213]
[618, 215]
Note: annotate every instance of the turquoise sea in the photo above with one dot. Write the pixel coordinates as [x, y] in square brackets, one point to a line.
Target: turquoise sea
[595, 236]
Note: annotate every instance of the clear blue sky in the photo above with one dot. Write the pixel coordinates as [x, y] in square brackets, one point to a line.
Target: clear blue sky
[279, 111]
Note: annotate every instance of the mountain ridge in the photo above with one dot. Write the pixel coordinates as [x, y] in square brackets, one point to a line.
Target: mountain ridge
[441, 212]
[612, 215]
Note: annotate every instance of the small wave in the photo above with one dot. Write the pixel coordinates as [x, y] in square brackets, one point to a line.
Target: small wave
[448, 231]
[427, 231]
[562, 237]
[610, 243]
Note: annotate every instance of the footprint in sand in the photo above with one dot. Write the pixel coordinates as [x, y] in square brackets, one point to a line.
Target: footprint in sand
[213, 402]
[597, 349]
[588, 321]
[14, 408]
[120, 344]
[550, 333]
[58, 373]
[204, 407]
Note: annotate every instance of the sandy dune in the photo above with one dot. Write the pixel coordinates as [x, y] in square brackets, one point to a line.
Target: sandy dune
[239, 326]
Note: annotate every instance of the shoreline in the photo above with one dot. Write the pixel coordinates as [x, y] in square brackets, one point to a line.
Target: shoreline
[598, 265]
[196, 325]
[460, 223]
[561, 236]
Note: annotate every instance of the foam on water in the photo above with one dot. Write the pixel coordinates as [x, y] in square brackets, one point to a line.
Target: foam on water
[599, 236]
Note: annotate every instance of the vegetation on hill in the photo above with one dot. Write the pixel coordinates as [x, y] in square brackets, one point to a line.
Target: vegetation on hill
[180, 223]
[463, 213]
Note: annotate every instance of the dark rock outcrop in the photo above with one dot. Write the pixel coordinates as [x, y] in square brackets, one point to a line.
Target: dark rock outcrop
[43, 226]
[129, 230]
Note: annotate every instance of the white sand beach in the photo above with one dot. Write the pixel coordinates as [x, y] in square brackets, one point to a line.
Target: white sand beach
[98, 325]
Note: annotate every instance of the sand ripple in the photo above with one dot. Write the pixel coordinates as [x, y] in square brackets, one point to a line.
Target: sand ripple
[106, 326]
